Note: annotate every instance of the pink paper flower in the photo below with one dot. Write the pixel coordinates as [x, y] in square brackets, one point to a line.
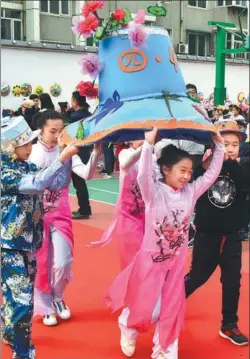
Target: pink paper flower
[91, 65]
[137, 34]
[140, 17]
[75, 25]
[88, 26]
[91, 7]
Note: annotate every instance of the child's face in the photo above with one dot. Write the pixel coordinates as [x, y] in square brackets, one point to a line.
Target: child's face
[51, 131]
[180, 174]
[235, 111]
[215, 113]
[232, 145]
[192, 92]
[36, 102]
[23, 152]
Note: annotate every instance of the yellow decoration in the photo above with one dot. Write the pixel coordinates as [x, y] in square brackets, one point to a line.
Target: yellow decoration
[38, 90]
[241, 97]
[55, 89]
[16, 91]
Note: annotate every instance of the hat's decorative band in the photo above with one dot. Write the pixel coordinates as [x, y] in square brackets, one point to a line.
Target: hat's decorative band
[171, 124]
[20, 139]
[150, 30]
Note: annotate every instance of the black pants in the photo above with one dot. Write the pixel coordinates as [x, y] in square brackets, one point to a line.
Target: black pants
[209, 251]
[109, 157]
[80, 184]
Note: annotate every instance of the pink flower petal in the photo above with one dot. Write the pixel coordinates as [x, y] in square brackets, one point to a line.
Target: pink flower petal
[75, 21]
[140, 17]
[91, 65]
[137, 35]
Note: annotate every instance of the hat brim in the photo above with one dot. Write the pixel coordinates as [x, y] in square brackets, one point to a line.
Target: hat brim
[241, 135]
[127, 122]
[34, 135]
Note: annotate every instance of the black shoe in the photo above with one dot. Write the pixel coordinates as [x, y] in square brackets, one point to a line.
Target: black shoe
[191, 237]
[244, 234]
[232, 333]
[76, 212]
[78, 215]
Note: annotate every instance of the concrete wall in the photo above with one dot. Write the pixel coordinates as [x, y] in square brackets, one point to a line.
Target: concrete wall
[46, 67]
[39, 68]
[202, 74]
[58, 28]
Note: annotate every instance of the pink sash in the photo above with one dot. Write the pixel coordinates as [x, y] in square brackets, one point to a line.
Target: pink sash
[58, 215]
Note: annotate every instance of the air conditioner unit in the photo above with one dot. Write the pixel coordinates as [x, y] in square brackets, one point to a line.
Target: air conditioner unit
[182, 48]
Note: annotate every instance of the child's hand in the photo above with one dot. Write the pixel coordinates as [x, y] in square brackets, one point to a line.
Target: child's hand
[69, 151]
[60, 142]
[150, 136]
[98, 146]
[218, 138]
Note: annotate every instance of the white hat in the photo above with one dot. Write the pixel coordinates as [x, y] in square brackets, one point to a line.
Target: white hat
[5, 121]
[27, 103]
[16, 133]
[160, 145]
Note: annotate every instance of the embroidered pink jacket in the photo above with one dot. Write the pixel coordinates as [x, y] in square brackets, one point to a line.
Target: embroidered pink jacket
[158, 268]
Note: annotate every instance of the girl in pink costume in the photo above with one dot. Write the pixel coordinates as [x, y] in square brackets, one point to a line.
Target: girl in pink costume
[57, 249]
[152, 286]
[127, 225]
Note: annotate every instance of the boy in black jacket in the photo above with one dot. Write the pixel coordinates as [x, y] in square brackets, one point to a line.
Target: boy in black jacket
[219, 217]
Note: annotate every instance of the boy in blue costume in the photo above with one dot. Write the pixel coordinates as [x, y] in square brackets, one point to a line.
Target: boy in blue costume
[22, 186]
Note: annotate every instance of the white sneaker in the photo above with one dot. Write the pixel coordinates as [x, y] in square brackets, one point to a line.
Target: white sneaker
[162, 355]
[107, 176]
[127, 345]
[50, 319]
[171, 353]
[62, 310]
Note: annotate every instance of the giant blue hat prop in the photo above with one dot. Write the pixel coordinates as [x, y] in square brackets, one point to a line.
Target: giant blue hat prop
[140, 88]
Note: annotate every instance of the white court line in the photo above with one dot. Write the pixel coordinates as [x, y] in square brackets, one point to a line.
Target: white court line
[95, 200]
[102, 190]
[103, 179]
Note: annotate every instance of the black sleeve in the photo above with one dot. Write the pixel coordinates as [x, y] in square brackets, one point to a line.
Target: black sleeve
[244, 160]
[198, 172]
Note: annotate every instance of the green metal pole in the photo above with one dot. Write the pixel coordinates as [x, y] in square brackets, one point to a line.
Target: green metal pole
[220, 90]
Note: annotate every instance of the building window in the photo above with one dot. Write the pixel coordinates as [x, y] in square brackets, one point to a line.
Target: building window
[55, 7]
[202, 4]
[11, 25]
[149, 19]
[241, 3]
[149, 23]
[198, 44]
[234, 42]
